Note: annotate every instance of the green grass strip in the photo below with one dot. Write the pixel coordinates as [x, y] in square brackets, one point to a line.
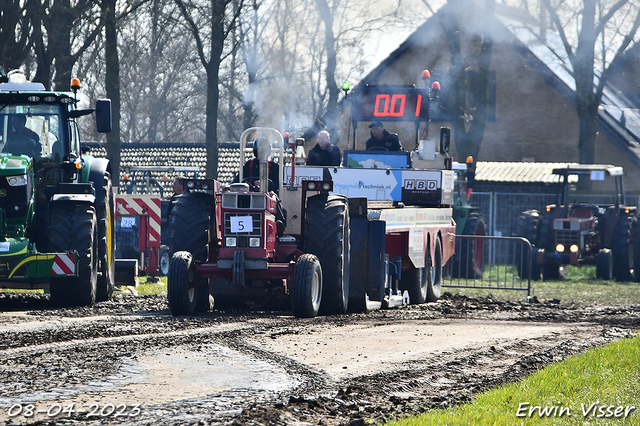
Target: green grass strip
[598, 387]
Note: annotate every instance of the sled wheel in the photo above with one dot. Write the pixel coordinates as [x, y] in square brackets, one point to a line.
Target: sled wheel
[434, 287]
[164, 260]
[415, 281]
[621, 248]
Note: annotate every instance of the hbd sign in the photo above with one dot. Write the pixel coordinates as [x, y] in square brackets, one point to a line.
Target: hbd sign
[420, 185]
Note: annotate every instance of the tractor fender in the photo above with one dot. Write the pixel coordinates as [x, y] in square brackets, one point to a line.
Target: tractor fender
[94, 171]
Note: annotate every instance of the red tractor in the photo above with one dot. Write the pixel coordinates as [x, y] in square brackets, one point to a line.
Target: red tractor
[578, 233]
[325, 251]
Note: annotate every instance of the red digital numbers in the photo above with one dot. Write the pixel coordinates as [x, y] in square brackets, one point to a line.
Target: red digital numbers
[394, 105]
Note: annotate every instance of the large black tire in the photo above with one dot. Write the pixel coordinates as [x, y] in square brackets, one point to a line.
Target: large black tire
[604, 264]
[470, 264]
[436, 269]
[191, 215]
[528, 226]
[74, 226]
[621, 247]
[550, 269]
[106, 241]
[636, 251]
[326, 234]
[415, 281]
[164, 260]
[545, 232]
[306, 292]
[181, 291]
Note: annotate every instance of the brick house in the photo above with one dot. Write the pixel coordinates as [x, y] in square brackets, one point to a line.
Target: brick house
[533, 117]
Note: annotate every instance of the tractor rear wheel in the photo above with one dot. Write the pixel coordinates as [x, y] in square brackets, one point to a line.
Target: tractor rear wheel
[306, 292]
[636, 251]
[326, 234]
[106, 241]
[191, 216]
[181, 290]
[470, 264]
[74, 227]
[528, 225]
[621, 248]
[434, 286]
[604, 264]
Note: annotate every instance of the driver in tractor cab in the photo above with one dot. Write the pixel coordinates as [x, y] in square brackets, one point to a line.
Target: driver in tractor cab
[25, 140]
[251, 169]
[381, 139]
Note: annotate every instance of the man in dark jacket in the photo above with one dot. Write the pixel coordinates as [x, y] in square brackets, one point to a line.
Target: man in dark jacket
[381, 139]
[251, 168]
[324, 153]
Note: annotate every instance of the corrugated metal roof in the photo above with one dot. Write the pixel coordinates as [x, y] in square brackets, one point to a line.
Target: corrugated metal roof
[494, 171]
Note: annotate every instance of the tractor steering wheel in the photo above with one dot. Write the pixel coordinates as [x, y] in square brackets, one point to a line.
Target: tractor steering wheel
[377, 148]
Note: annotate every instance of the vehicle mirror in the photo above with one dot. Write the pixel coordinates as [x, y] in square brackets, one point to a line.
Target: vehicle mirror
[445, 139]
[103, 115]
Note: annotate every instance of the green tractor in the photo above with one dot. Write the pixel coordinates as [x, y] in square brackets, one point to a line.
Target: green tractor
[56, 205]
[468, 259]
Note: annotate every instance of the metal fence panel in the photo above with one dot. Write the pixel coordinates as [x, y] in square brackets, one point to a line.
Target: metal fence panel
[490, 262]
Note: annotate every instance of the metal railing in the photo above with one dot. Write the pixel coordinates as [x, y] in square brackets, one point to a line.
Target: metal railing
[490, 262]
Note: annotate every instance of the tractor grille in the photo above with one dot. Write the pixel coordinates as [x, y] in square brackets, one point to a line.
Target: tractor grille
[242, 238]
[567, 238]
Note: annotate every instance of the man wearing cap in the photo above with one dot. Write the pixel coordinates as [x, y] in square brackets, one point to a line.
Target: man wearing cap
[381, 139]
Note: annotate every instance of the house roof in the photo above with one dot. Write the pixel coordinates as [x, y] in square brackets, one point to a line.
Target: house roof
[618, 117]
[504, 172]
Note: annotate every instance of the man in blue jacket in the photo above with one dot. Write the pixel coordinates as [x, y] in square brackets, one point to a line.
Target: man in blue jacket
[324, 153]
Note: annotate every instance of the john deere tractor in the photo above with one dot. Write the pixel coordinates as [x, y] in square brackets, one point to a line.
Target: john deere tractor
[56, 205]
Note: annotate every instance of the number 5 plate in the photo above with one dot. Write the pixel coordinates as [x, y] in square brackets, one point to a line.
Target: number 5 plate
[241, 224]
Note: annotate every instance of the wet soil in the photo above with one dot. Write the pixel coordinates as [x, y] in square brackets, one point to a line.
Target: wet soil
[128, 361]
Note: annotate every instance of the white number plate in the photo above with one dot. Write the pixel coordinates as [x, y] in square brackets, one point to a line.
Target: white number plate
[241, 224]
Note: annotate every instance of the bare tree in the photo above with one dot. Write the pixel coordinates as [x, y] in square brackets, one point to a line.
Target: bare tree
[15, 31]
[211, 24]
[469, 77]
[594, 36]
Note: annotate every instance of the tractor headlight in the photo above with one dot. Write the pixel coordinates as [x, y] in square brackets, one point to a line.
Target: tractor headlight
[326, 186]
[20, 180]
[573, 248]
[230, 241]
[560, 248]
[311, 186]
[254, 242]
[190, 184]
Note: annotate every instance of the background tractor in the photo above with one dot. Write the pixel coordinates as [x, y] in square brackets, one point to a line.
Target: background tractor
[579, 233]
[56, 205]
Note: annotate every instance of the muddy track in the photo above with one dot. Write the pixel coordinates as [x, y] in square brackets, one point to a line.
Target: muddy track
[129, 361]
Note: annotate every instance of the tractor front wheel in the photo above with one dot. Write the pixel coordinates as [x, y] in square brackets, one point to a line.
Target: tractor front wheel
[604, 264]
[106, 242]
[164, 260]
[181, 290]
[74, 227]
[306, 292]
